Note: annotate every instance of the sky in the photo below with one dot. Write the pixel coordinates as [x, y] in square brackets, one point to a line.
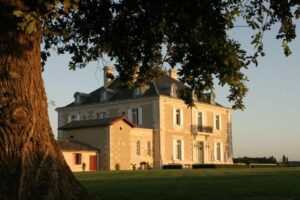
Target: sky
[270, 124]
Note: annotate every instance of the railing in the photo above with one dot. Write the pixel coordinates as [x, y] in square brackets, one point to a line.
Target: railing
[202, 129]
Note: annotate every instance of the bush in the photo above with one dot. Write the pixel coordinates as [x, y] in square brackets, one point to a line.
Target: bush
[83, 166]
[214, 166]
[133, 166]
[256, 165]
[117, 166]
[172, 166]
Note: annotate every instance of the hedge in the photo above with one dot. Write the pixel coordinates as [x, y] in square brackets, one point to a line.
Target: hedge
[172, 166]
[214, 166]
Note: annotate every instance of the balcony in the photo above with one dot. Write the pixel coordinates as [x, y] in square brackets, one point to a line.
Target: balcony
[202, 129]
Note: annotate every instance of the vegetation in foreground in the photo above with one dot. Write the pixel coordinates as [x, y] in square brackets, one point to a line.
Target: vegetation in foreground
[266, 183]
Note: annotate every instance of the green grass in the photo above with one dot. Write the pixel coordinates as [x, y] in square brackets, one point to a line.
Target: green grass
[197, 184]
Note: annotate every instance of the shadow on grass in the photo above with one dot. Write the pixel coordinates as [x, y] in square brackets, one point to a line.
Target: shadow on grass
[246, 184]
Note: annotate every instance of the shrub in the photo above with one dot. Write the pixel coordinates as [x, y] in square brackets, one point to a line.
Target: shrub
[149, 166]
[214, 166]
[83, 166]
[172, 166]
[117, 166]
[133, 166]
[265, 165]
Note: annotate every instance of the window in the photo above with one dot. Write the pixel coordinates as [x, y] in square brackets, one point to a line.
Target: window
[178, 117]
[173, 90]
[77, 158]
[218, 122]
[178, 149]
[137, 92]
[218, 151]
[148, 150]
[138, 148]
[103, 96]
[101, 115]
[135, 115]
[77, 99]
[200, 122]
[73, 117]
[83, 117]
[123, 114]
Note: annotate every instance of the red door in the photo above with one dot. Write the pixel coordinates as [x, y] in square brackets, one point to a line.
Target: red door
[93, 163]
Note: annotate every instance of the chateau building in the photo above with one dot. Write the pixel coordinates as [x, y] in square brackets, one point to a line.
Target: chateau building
[148, 124]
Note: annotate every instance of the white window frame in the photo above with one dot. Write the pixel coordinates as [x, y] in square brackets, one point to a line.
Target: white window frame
[220, 122]
[77, 99]
[218, 152]
[139, 118]
[138, 148]
[178, 154]
[173, 90]
[101, 115]
[177, 121]
[202, 121]
[148, 148]
[137, 92]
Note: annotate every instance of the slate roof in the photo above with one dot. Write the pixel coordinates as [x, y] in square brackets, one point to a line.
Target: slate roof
[156, 87]
[67, 145]
[94, 123]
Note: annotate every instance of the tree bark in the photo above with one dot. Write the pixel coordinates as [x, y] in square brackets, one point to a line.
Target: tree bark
[31, 164]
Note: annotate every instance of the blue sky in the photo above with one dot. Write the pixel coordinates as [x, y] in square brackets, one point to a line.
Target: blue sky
[270, 125]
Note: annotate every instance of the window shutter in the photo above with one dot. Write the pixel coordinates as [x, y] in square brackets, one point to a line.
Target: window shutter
[215, 152]
[222, 152]
[214, 121]
[182, 149]
[174, 149]
[140, 110]
[220, 121]
[174, 116]
[181, 117]
[77, 117]
[130, 114]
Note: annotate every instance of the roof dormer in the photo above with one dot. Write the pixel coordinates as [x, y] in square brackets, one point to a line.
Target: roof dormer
[140, 91]
[173, 90]
[106, 94]
[80, 97]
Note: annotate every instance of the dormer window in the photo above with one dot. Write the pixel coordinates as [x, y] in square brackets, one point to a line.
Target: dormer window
[137, 92]
[80, 97]
[77, 99]
[173, 90]
[103, 96]
[194, 96]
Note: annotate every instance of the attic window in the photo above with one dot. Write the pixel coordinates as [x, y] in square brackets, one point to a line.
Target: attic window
[77, 99]
[103, 96]
[173, 90]
[137, 92]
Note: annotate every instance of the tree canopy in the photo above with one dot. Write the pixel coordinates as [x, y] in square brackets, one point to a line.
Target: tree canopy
[193, 35]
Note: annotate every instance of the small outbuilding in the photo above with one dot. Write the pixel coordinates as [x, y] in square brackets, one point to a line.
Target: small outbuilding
[79, 157]
[115, 142]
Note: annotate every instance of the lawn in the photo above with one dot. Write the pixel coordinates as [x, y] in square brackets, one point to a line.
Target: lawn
[197, 184]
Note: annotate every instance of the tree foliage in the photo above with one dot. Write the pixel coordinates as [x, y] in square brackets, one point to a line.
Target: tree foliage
[141, 36]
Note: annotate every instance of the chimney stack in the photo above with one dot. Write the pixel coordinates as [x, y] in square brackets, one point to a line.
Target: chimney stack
[173, 73]
[107, 76]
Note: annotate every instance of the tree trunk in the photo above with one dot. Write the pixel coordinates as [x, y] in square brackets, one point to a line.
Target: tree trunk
[31, 164]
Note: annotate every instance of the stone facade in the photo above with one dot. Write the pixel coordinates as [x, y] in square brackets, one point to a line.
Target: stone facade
[179, 134]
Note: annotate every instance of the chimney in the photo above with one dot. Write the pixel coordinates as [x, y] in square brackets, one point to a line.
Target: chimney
[108, 73]
[173, 73]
